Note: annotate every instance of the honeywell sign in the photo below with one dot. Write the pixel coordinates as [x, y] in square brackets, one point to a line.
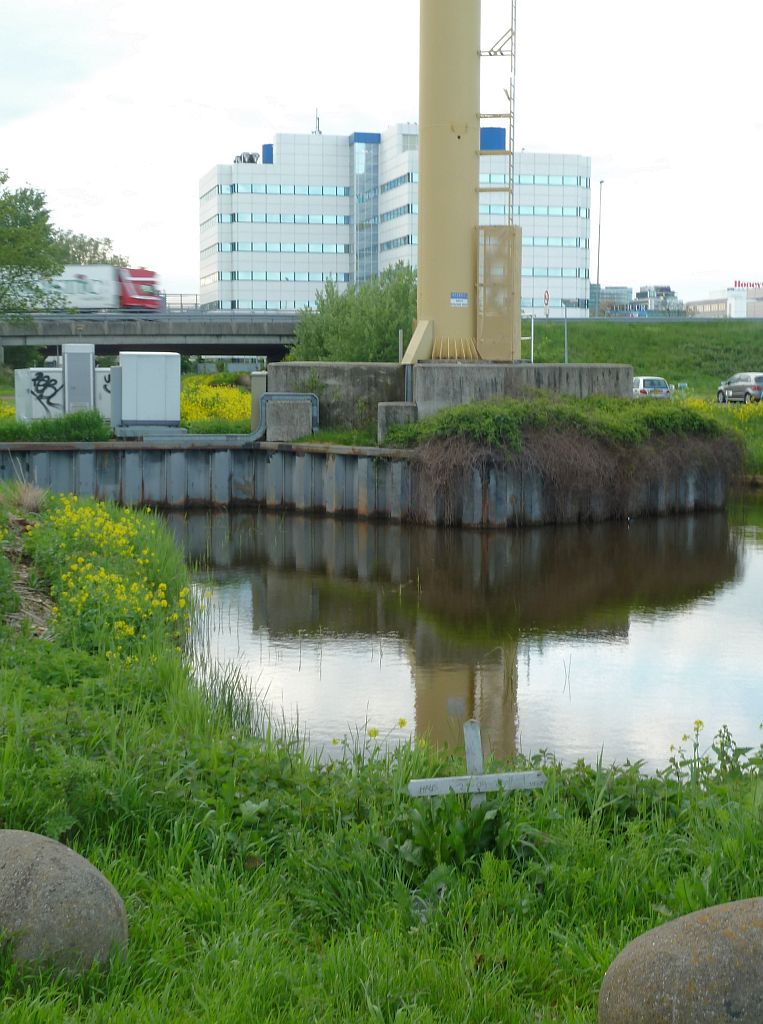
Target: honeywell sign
[748, 284]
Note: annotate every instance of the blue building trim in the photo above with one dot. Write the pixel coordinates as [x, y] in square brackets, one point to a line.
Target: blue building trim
[372, 137]
[267, 153]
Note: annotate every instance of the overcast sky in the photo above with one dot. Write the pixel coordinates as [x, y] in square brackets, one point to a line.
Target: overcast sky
[115, 109]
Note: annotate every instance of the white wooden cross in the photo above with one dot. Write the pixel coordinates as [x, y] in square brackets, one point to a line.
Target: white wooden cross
[475, 782]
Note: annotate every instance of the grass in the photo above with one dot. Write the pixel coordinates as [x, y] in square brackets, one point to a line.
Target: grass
[503, 424]
[699, 353]
[87, 425]
[218, 425]
[354, 437]
[261, 885]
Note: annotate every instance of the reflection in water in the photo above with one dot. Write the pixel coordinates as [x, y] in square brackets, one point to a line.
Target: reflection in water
[340, 617]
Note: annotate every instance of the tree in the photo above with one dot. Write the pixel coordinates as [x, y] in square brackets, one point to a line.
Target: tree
[362, 323]
[81, 249]
[29, 252]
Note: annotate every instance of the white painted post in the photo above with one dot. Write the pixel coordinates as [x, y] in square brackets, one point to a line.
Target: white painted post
[532, 338]
[473, 747]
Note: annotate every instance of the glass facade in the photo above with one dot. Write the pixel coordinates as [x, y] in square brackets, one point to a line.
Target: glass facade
[365, 175]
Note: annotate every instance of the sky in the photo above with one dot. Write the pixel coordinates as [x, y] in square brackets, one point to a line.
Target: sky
[115, 110]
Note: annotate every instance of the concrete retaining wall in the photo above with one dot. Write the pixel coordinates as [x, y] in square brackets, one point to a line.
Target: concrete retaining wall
[363, 482]
[439, 385]
[348, 392]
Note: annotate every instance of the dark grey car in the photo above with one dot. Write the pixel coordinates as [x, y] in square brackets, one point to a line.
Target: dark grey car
[742, 387]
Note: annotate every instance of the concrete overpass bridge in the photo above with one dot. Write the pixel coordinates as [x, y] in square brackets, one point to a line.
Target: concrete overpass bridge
[190, 333]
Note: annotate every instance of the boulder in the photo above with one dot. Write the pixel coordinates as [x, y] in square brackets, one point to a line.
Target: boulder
[56, 909]
[703, 968]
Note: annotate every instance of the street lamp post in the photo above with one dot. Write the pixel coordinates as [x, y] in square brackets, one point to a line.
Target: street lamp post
[598, 256]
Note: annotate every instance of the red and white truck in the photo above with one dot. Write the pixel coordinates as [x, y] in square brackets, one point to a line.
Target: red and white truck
[103, 287]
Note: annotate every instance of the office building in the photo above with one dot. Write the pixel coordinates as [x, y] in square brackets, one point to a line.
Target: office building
[605, 298]
[741, 302]
[276, 226]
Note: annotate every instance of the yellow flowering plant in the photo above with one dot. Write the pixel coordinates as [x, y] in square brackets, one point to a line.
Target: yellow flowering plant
[201, 400]
[115, 577]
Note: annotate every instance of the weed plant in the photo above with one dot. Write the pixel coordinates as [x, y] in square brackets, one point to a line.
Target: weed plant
[264, 885]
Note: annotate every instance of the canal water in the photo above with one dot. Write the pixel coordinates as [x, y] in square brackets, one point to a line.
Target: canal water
[603, 641]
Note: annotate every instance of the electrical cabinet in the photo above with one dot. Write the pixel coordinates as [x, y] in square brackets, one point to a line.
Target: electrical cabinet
[150, 388]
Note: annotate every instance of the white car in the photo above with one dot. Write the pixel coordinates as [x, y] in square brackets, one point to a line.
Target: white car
[651, 387]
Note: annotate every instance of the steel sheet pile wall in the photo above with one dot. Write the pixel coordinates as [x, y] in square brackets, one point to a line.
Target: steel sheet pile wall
[382, 483]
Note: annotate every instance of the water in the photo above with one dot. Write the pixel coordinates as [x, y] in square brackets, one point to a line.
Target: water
[606, 640]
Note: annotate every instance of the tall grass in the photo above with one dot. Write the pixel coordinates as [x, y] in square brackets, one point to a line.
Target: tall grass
[262, 885]
[87, 425]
